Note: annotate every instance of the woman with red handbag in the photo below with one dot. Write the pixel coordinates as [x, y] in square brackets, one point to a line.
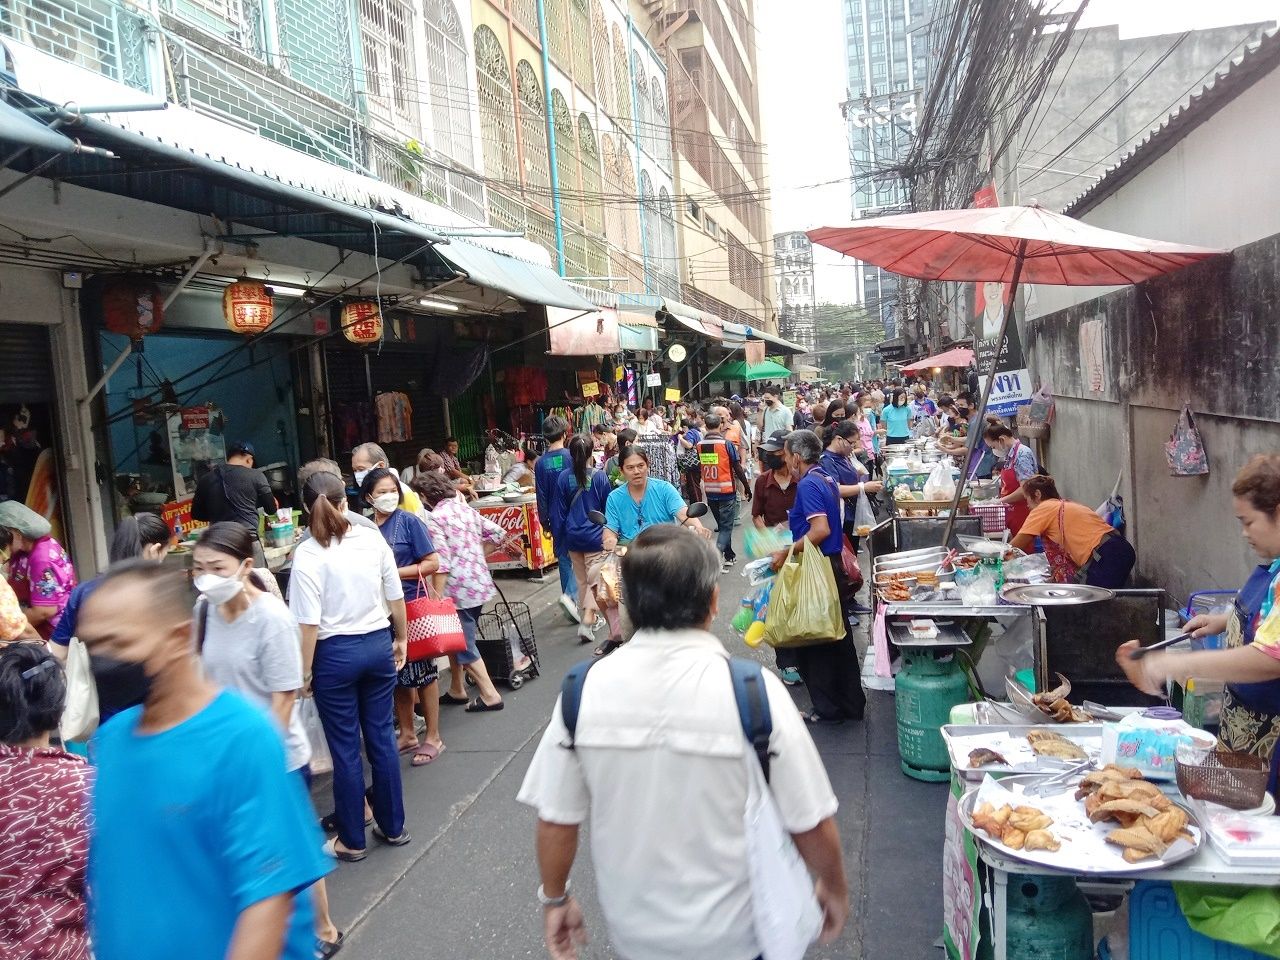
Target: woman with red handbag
[416, 559]
[459, 533]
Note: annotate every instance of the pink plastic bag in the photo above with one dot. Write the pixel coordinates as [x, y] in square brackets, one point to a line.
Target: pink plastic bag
[880, 637]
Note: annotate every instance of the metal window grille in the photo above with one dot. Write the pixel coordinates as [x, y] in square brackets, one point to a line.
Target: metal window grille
[567, 165]
[580, 30]
[94, 34]
[621, 77]
[497, 113]
[589, 161]
[535, 159]
[526, 14]
[603, 62]
[450, 89]
[557, 15]
[386, 41]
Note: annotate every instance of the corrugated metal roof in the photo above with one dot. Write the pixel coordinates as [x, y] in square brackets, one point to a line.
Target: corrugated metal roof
[1257, 60]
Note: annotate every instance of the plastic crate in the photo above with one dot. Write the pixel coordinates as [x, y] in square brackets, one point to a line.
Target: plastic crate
[1159, 931]
[993, 515]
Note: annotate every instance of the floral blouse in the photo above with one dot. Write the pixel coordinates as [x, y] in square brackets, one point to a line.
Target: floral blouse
[457, 531]
[44, 855]
[43, 577]
[13, 622]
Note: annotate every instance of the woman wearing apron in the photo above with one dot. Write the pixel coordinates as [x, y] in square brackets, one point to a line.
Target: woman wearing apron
[1250, 666]
[1019, 464]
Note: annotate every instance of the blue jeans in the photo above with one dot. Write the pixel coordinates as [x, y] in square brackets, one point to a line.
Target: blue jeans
[726, 513]
[469, 616]
[568, 582]
[353, 679]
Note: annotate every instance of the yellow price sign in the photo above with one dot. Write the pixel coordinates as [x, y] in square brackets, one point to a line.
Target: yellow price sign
[672, 394]
[591, 389]
[619, 374]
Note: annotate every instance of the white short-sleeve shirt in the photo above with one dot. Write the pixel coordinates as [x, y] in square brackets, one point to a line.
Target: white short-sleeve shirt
[344, 588]
[658, 770]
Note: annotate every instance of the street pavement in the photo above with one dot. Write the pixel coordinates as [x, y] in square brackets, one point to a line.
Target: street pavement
[464, 888]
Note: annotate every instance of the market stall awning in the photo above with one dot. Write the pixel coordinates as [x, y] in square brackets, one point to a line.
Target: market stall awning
[957, 357]
[775, 344]
[575, 333]
[893, 350]
[699, 321]
[741, 370]
[524, 281]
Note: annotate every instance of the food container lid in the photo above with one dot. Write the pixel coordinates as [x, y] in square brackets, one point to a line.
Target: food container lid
[1054, 594]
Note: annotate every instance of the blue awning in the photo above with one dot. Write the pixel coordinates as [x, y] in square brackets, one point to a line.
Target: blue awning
[524, 281]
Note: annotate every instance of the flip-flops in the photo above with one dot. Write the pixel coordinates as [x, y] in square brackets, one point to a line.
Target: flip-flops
[608, 647]
[479, 706]
[425, 754]
[346, 856]
[450, 699]
[399, 841]
[327, 948]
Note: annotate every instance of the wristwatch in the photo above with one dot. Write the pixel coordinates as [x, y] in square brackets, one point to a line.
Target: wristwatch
[559, 901]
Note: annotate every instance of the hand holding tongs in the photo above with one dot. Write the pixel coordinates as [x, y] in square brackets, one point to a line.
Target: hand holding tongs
[1141, 652]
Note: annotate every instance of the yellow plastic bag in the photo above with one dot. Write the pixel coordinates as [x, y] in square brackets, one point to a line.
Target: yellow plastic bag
[804, 609]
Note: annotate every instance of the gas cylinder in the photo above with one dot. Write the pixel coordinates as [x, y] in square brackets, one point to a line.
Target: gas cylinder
[1048, 919]
[929, 684]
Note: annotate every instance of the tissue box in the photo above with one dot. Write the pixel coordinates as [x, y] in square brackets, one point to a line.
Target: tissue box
[1146, 743]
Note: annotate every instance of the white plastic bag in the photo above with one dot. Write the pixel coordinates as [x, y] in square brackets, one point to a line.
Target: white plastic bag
[321, 758]
[80, 715]
[939, 485]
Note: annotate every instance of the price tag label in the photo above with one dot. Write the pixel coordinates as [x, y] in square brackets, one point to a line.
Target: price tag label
[653, 380]
[671, 395]
[591, 389]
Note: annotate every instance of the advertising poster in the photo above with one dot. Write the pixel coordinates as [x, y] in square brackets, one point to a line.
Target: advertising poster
[1012, 386]
[196, 446]
[961, 883]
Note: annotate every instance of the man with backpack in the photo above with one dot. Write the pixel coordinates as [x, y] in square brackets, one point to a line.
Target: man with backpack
[658, 746]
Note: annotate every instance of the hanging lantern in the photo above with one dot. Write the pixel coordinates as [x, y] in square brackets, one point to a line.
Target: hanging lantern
[362, 322]
[132, 306]
[247, 307]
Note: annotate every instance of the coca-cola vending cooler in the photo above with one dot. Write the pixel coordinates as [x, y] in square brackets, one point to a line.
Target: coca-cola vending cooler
[521, 521]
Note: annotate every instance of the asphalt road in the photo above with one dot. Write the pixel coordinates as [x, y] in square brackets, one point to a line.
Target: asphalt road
[464, 888]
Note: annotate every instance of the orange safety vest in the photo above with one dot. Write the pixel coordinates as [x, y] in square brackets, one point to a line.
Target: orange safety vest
[717, 468]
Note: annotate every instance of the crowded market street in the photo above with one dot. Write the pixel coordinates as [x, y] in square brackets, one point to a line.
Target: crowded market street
[471, 865]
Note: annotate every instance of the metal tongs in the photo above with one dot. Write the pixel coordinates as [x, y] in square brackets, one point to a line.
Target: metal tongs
[1143, 651]
[1042, 787]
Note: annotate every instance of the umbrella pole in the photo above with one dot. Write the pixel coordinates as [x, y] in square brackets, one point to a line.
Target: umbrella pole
[986, 390]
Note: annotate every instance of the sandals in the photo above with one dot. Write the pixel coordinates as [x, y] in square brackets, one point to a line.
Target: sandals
[327, 948]
[346, 856]
[425, 754]
[399, 841]
[450, 699]
[608, 647]
[479, 706]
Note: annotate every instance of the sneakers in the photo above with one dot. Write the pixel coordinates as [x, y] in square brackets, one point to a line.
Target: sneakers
[791, 677]
[728, 563]
[586, 631]
[570, 608]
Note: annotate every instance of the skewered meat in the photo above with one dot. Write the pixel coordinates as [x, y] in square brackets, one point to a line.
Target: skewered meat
[982, 756]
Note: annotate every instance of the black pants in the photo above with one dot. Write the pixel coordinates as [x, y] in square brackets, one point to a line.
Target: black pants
[831, 671]
[1114, 563]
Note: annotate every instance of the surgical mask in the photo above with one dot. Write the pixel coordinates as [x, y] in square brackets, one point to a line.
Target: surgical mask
[386, 502]
[360, 475]
[216, 589]
[121, 684]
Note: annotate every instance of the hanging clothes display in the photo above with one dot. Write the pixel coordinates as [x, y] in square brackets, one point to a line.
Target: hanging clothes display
[590, 416]
[662, 456]
[395, 417]
[526, 386]
[354, 423]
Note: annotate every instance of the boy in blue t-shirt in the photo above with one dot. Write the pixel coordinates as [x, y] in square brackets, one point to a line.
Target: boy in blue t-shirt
[202, 845]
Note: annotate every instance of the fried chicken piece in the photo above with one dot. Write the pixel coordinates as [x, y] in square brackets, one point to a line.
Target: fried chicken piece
[1138, 843]
[1140, 790]
[1168, 825]
[983, 756]
[1046, 743]
[1013, 838]
[1111, 772]
[1028, 819]
[1107, 810]
[1041, 840]
[990, 820]
[1135, 856]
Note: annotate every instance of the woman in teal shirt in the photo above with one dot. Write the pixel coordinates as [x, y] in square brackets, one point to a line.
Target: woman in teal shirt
[897, 419]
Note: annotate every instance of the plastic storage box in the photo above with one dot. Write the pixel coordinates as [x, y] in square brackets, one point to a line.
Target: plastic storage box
[1159, 931]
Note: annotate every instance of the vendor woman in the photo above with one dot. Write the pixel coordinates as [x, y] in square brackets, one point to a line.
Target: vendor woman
[1081, 547]
[1250, 666]
[1019, 465]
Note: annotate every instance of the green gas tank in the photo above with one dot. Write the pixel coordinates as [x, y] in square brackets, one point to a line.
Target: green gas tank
[929, 684]
[1048, 919]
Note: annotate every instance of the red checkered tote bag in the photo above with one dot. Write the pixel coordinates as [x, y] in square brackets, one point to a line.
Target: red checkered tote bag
[435, 629]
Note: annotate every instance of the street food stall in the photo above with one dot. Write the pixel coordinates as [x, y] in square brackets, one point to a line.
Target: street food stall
[517, 513]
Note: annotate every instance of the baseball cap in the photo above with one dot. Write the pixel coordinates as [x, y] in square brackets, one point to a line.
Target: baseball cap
[777, 440]
[240, 446]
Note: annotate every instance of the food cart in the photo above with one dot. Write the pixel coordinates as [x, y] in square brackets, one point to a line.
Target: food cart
[518, 515]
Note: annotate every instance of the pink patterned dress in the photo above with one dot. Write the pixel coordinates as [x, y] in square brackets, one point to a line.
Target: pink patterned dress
[43, 577]
[457, 532]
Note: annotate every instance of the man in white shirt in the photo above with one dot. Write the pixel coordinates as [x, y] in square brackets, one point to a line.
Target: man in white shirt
[657, 765]
[774, 415]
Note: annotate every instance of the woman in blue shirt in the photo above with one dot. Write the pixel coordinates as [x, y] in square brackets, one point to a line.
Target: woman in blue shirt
[580, 490]
[897, 419]
[416, 560]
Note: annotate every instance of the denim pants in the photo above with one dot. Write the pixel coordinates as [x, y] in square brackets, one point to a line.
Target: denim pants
[353, 679]
[568, 582]
[726, 513]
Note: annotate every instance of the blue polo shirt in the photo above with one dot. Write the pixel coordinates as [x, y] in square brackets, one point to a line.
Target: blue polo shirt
[546, 473]
[816, 493]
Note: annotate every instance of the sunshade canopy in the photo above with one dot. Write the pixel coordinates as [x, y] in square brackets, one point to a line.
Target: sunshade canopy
[984, 244]
[959, 357]
[741, 370]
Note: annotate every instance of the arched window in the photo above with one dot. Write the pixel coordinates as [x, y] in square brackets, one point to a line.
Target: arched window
[627, 201]
[580, 31]
[603, 61]
[566, 158]
[667, 245]
[497, 111]
[652, 241]
[644, 110]
[662, 128]
[536, 161]
[557, 14]
[449, 90]
[621, 77]
[589, 160]
[615, 228]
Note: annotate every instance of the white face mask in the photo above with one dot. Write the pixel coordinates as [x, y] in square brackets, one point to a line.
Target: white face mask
[360, 475]
[216, 589]
[386, 502]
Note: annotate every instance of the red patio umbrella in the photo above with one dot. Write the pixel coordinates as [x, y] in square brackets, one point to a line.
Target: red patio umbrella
[1008, 244]
[956, 357]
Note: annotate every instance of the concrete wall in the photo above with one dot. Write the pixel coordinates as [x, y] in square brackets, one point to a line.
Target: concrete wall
[1208, 336]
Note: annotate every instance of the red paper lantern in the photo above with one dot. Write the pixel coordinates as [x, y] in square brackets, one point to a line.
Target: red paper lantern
[247, 307]
[132, 306]
[362, 322]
